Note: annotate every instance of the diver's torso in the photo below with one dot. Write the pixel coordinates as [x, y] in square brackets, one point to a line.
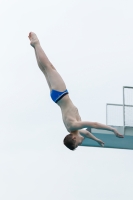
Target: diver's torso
[69, 112]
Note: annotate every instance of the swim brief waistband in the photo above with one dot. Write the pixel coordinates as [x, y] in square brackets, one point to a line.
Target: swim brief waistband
[56, 95]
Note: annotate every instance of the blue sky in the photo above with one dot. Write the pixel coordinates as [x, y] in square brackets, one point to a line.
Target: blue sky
[91, 45]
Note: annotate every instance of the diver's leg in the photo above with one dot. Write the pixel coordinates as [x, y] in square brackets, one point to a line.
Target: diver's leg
[53, 78]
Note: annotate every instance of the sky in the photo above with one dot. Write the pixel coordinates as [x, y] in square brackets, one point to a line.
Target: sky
[91, 45]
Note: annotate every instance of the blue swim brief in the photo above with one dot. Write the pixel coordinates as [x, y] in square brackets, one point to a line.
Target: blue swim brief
[56, 95]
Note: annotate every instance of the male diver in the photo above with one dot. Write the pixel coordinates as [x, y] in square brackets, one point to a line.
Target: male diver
[60, 96]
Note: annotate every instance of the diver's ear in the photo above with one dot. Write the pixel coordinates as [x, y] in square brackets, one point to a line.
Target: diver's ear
[74, 138]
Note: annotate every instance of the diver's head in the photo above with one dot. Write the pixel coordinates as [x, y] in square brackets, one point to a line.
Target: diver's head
[73, 140]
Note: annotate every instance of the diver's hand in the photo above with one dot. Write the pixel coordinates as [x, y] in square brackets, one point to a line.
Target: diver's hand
[100, 142]
[118, 134]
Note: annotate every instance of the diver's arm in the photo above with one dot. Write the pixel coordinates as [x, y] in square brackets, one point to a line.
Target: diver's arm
[87, 134]
[91, 136]
[85, 124]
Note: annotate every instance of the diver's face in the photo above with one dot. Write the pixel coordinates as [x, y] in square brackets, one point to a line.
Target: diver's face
[78, 140]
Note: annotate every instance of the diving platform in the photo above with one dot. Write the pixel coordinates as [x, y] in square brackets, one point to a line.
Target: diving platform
[109, 138]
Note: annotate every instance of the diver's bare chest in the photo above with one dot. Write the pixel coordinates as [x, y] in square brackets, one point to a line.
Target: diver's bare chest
[71, 115]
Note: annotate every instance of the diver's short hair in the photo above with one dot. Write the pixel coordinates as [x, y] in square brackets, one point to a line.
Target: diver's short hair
[69, 142]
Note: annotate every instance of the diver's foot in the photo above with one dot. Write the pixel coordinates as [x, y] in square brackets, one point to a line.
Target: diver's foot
[33, 39]
[100, 142]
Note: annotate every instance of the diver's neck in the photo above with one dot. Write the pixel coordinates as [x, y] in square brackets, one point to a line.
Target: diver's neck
[76, 133]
